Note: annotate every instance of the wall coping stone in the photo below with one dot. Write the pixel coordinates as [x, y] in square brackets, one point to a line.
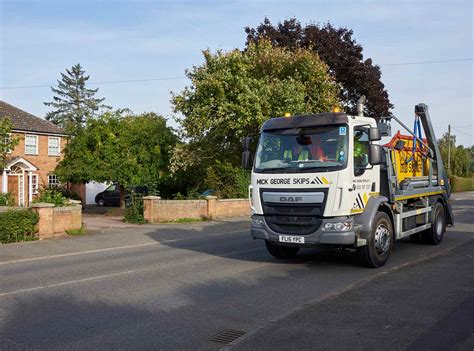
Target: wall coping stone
[211, 197]
[74, 202]
[232, 200]
[182, 201]
[151, 197]
[41, 205]
[67, 208]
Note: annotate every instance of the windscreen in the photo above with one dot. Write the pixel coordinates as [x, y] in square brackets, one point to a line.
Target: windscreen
[302, 150]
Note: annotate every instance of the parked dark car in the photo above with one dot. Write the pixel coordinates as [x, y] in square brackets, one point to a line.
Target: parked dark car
[111, 195]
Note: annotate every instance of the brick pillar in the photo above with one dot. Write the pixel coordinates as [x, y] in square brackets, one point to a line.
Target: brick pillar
[46, 219]
[148, 208]
[211, 206]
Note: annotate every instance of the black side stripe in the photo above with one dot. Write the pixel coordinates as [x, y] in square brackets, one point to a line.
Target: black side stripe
[360, 199]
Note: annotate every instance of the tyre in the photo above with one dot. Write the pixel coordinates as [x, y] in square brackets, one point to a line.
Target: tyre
[435, 234]
[380, 243]
[101, 202]
[279, 251]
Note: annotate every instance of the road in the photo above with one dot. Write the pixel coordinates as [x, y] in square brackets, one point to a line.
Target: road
[178, 286]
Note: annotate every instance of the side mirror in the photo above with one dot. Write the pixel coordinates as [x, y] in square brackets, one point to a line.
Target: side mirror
[246, 142]
[374, 134]
[246, 160]
[375, 154]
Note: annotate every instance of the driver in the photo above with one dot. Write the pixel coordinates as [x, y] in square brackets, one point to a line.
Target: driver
[297, 153]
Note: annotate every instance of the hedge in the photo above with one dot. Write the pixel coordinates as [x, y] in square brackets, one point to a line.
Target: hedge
[18, 225]
[461, 184]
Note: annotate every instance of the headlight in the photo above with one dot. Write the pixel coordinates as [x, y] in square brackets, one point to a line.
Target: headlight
[338, 226]
[257, 222]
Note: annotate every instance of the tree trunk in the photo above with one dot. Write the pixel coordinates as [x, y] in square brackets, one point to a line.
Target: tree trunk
[122, 196]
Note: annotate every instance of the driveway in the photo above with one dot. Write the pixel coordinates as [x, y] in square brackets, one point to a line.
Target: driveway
[178, 286]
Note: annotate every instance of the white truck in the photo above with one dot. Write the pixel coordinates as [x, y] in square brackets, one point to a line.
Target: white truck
[325, 179]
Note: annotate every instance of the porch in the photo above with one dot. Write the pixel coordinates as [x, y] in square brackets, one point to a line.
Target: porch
[20, 178]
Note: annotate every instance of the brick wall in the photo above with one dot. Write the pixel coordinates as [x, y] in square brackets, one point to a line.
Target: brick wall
[157, 210]
[54, 221]
[231, 208]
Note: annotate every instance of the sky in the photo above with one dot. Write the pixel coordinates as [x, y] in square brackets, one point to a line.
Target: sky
[139, 40]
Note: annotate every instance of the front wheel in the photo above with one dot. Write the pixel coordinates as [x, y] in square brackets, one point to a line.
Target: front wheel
[101, 202]
[279, 251]
[379, 244]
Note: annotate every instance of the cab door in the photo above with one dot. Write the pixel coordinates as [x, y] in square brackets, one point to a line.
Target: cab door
[364, 175]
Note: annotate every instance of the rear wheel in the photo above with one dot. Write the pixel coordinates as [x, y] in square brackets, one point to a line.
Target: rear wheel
[101, 202]
[435, 234]
[379, 244]
[279, 251]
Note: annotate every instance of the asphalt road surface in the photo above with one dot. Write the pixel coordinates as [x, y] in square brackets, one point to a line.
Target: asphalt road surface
[175, 287]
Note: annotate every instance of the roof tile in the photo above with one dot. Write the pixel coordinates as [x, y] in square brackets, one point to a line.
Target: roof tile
[25, 121]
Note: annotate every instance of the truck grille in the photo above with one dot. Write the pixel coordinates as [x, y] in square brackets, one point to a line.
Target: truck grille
[297, 219]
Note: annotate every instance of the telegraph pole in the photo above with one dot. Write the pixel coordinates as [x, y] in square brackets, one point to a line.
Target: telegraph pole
[449, 148]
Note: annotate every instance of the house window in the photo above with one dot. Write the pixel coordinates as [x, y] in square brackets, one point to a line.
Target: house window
[53, 146]
[34, 183]
[31, 144]
[53, 180]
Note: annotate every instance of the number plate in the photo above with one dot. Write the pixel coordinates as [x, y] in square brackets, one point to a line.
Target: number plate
[291, 239]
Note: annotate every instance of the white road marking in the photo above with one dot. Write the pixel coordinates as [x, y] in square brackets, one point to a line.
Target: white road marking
[114, 248]
[99, 277]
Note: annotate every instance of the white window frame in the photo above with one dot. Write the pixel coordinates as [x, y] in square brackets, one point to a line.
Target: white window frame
[36, 144]
[56, 183]
[49, 146]
[34, 181]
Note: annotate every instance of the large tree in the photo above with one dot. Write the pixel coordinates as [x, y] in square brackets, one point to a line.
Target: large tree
[336, 47]
[73, 103]
[459, 157]
[128, 150]
[233, 93]
[7, 142]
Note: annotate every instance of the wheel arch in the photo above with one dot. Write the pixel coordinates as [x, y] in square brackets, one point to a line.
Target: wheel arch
[366, 218]
[448, 214]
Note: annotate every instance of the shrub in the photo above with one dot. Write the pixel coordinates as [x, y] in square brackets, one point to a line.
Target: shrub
[228, 181]
[18, 225]
[461, 184]
[6, 199]
[51, 195]
[81, 231]
[134, 210]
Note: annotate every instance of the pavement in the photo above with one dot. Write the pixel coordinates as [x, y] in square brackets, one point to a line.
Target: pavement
[177, 286]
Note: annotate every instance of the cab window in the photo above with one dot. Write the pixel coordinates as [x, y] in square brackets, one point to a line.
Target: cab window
[361, 147]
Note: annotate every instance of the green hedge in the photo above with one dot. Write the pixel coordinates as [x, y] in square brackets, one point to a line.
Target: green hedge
[461, 184]
[18, 225]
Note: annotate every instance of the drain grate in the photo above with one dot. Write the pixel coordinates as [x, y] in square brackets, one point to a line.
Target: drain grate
[227, 336]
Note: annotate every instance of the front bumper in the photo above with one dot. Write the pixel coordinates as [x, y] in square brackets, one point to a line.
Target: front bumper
[261, 230]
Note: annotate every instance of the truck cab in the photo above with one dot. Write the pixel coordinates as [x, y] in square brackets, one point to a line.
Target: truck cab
[316, 180]
[308, 181]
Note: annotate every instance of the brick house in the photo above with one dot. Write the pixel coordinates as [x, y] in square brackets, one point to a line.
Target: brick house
[31, 164]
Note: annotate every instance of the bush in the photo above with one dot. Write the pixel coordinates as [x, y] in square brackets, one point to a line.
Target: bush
[18, 225]
[228, 181]
[51, 195]
[461, 184]
[6, 199]
[134, 210]
[81, 231]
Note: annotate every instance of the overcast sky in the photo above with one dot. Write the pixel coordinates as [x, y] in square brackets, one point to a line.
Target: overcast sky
[126, 40]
